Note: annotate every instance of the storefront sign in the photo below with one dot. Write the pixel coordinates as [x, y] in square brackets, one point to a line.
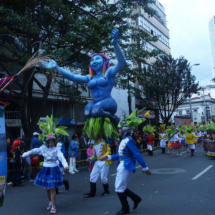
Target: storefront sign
[13, 123]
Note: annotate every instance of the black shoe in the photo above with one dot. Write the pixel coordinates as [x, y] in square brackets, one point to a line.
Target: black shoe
[125, 207]
[136, 199]
[92, 192]
[123, 211]
[106, 190]
[66, 184]
[136, 202]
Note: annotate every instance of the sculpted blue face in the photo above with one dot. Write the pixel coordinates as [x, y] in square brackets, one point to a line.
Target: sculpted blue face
[96, 63]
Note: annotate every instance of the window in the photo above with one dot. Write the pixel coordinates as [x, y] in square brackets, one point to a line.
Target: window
[180, 113]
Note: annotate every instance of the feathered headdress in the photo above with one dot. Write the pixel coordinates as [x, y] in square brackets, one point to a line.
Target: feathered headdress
[162, 127]
[105, 66]
[131, 121]
[149, 129]
[170, 130]
[49, 130]
[211, 127]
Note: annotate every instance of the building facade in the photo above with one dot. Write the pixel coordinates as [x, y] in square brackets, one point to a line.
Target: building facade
[212, 40]
[155, 26]
[203, 106]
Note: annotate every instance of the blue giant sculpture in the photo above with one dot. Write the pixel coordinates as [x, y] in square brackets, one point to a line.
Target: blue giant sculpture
[100, 81]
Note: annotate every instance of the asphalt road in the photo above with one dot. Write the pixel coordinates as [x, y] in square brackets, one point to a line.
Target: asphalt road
[174, 188]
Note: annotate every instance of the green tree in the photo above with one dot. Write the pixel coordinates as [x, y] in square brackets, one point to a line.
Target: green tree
[67, 31]
[166, 84]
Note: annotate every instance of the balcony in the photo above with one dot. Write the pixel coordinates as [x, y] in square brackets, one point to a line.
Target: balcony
[12, 114]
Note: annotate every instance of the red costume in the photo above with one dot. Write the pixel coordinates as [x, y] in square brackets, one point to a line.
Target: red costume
[150, 138]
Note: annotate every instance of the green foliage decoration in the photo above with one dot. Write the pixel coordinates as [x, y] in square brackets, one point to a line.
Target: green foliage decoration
[98, 127]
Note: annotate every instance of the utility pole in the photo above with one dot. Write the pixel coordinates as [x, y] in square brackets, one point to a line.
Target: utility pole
[204, 105]
[191, 111]
[129, 96]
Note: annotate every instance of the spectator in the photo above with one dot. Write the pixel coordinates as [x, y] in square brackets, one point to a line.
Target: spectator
[89, 154]
[83, 147]
[91, 142]
[73, 154]
[18, 163]
[9, 164]
[27, 166]
[35, 143]
[112, 145]
[15, 144]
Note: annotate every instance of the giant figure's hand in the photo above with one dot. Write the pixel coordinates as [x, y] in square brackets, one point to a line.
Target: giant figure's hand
[115, 35]
[51, 65]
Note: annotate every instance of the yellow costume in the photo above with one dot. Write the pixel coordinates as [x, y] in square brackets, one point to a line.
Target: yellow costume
[100, 149]
[190, 138]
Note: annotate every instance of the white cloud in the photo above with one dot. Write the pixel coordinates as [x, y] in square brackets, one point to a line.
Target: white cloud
[189, 33]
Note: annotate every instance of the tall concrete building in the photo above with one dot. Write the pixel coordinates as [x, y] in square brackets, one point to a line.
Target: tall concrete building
[212, 38]
[155, 26]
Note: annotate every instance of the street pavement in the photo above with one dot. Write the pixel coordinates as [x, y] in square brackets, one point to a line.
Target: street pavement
[178, 186]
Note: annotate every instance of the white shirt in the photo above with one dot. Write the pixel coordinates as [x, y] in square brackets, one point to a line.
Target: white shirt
[51, 155]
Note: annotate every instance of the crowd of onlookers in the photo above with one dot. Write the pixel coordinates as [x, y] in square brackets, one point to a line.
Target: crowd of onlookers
[78, 151]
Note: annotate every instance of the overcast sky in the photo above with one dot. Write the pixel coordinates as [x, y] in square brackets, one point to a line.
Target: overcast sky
[188, 21]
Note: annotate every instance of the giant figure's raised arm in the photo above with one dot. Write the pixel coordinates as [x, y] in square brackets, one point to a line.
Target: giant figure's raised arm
[121, 62]
[66, 74]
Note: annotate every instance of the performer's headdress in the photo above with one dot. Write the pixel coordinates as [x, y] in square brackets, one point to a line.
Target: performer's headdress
[105, 66]
[211, 127]
[170, 130]
[149, 129]
[162, 127]
[130, 122]
[49, 130]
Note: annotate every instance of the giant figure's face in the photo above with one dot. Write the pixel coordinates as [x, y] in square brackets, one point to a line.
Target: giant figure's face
[96, 63]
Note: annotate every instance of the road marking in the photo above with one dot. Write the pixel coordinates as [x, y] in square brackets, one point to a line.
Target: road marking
[201, 173]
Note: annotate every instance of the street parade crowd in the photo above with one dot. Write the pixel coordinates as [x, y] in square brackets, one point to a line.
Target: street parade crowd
[25, 164]
[105, 139]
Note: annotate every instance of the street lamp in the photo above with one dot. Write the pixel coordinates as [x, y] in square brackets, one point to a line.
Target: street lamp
[191, 112]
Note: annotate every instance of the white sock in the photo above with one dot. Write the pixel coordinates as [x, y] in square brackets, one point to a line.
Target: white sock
[50, 203]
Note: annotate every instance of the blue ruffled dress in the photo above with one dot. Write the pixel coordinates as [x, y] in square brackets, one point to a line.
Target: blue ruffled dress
[49, 177]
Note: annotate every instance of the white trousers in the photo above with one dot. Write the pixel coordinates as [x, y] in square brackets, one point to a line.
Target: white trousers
[163, 144]
[72, 165]
[192, 146]
[99, 168]
[122, 178]
[149, 147]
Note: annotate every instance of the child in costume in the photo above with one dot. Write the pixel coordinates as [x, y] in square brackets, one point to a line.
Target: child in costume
[182, 137]
[150, 138]
[127, 156]
[100, 168]
[162, 138]
[174, 140]
[190, 140]
[50, 176]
